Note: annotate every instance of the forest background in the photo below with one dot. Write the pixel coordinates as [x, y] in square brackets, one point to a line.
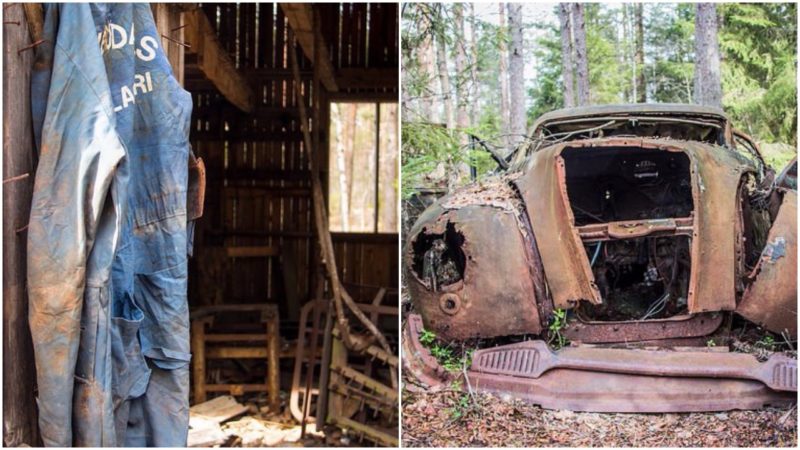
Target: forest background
[490, 69]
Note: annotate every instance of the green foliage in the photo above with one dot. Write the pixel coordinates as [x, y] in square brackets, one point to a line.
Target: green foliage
[427, 338]
[425, 146]
[669, 52]
[558, 321]
[547, 92]
[758, 45]
[758, 42]
[461, 407]
[444, 353]
[767, 342]
[777, 155]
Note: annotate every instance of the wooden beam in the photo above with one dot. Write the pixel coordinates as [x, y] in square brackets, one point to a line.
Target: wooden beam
[35, 16]
[367, 78]
[364, 96]
[301, 19]
[214, 61]
[253, 251]
[169, 17]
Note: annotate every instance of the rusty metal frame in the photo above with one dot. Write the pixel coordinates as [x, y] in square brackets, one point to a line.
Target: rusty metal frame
[311, 316]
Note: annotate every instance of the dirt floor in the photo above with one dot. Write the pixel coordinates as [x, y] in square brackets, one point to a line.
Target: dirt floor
[452, 419]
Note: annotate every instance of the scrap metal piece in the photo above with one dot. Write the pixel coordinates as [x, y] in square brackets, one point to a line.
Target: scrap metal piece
[531, 359]
[715, 175]
[771, 300]
[580, 390]
[418, 361]
[483, 278]
[643, 330]
[592, 390]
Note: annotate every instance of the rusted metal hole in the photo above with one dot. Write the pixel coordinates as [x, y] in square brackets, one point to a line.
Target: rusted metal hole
[450, 303]
[439, 259]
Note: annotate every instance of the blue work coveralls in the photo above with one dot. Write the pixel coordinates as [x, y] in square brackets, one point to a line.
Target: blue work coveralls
[107, 240]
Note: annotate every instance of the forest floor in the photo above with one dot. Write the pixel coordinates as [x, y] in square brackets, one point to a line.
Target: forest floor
[449, 419]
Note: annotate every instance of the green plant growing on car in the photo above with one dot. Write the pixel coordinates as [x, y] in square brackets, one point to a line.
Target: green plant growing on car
[767, 342]
[427, 338]
[558, 322]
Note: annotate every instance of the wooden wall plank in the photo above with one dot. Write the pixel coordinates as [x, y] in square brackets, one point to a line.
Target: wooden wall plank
[19, 373]
[262, 196]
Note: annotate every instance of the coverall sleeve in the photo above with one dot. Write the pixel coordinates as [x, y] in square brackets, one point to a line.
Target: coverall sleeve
[79, 153]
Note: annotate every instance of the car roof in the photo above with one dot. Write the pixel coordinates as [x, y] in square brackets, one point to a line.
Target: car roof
[666, 109]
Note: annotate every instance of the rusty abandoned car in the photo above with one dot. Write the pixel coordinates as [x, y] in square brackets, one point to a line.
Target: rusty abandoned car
[641, 238]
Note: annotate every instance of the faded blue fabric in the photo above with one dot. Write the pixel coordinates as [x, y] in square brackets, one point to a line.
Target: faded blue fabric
[107, 245]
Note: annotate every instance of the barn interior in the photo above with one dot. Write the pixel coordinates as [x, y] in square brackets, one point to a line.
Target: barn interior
[281, 346]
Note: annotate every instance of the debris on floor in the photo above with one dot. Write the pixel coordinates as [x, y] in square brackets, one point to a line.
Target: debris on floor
[221, 422]
[452, 419]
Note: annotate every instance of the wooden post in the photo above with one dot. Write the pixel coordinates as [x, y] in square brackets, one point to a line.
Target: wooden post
[19, 158]
[273, 360]
[199, 359]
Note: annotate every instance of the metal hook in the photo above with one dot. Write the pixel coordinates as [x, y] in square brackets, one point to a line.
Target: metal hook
[35, 44]
[176, 41]
[178, 28]
[10, 22]
[19, 230]
[16, 178]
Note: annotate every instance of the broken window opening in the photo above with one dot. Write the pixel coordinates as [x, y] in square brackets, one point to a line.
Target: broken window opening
[439, 259]
[627, 183]
[639, 279]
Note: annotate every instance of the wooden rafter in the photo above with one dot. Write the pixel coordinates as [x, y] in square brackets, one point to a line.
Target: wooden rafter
[301, 19]
[214, 61]
[367, 78]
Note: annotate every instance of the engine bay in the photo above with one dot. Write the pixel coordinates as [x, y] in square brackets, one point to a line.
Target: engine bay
[639, 279]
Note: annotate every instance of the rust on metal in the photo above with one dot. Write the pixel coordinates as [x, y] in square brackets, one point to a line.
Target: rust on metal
[531, 359]
[771, 300]
[615, 226]
[456, 255]
[418, 361]
[624, 393]
[633, 388]
[643, 330]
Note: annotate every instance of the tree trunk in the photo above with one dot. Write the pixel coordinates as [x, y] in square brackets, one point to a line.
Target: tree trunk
[426, 63]
[581, 58]
[707, 81]
[341, 165]
[566, 54]
[505, 108]
[516, 68]
[641, 89]
[441, 62]
[462, 91]
[473, 73]
[626, 57]
[350, 143]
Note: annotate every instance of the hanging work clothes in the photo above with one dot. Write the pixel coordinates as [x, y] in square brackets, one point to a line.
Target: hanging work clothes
[107, 240]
